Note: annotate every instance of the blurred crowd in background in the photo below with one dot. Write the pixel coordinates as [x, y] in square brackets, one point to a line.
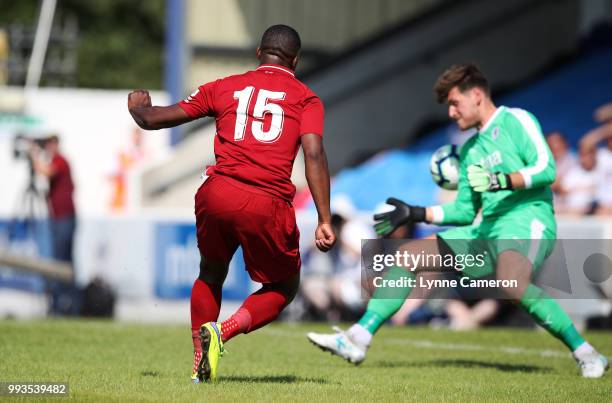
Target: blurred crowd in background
[584, 177]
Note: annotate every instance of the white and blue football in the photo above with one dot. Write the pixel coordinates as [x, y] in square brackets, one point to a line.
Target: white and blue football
[444, 166]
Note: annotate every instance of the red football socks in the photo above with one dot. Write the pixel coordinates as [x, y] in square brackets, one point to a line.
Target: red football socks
[205, 305]
[236, 324]
[258, 310]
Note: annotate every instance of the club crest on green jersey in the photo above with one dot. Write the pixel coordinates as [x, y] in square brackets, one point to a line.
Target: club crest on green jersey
[495, 133]
[491, 160]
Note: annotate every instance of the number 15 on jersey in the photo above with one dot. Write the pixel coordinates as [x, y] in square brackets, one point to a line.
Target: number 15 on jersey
[262, 106]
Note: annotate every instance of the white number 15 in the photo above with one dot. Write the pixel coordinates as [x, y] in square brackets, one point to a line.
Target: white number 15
[261, 108]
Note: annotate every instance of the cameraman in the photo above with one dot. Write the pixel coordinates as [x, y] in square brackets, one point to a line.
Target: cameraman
[62, 218]
[61, 206]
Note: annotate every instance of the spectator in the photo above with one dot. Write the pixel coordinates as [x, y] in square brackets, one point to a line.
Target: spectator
[131, 156]
[590, 141]
[564, 160]
[332, 282]
[62, 217]
[346, 284]
[579, 185]
[61, 205]
[604, 173]
[317, 271]
[603, 114]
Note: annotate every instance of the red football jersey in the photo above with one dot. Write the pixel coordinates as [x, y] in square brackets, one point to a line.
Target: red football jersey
[260, 116]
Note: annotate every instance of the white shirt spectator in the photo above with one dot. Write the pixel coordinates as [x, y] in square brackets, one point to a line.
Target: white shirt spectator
[564, 165]
[348, 278]
[604, 173]
[581, 187]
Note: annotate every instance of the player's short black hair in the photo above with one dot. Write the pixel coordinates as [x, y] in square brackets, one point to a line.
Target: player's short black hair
[281, 41]
[463, 76]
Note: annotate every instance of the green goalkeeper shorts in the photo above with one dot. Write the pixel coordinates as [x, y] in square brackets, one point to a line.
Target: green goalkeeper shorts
[532, 235]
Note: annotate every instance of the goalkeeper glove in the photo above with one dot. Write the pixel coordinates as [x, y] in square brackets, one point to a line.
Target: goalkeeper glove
[482, 180]
[388, 222]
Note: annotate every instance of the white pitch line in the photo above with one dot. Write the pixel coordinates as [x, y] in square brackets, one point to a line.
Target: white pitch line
[478, 347]
[444, 346]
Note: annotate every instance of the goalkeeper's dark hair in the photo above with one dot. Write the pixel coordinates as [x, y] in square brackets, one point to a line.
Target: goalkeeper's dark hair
[281, 41]
[463, 76]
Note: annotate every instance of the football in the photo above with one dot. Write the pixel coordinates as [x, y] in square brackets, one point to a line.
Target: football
[444, 166]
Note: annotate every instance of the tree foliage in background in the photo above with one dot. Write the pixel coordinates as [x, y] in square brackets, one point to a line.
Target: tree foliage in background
[121, 42]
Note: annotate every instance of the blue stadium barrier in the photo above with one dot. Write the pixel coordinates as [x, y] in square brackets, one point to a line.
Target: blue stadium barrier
[32, 238]
[176, 258]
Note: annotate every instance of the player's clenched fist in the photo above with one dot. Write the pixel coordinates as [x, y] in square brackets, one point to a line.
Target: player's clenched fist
[324, 237]
[139, 99]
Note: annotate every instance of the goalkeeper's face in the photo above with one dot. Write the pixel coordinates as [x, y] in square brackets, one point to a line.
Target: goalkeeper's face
[464, 107]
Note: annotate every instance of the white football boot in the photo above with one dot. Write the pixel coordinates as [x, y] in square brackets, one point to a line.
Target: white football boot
[340, 344]
[593, 365]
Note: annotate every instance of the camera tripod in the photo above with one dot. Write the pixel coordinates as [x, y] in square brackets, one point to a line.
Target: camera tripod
[31, 207]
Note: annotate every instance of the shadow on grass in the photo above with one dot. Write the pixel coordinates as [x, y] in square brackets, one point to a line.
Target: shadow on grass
[464, 364]
[272, 379]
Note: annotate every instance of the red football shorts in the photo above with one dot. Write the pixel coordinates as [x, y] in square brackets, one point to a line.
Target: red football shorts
[230, 214]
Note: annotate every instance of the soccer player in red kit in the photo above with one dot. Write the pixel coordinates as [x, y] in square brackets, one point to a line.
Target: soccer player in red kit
[262, 117]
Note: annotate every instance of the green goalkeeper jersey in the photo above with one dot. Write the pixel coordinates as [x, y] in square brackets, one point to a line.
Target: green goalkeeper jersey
[511, 141]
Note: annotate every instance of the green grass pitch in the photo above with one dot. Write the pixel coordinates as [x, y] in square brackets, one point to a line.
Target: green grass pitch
[107, 361]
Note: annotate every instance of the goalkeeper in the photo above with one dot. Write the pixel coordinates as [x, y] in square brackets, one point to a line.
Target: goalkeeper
[505, 170]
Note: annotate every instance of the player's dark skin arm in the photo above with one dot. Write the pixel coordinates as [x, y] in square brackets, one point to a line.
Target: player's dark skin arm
[317, 175]
[151, 117]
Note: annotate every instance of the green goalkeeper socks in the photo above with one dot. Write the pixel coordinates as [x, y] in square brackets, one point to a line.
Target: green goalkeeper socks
[386, 300]
[548, 314]
[543, 309]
